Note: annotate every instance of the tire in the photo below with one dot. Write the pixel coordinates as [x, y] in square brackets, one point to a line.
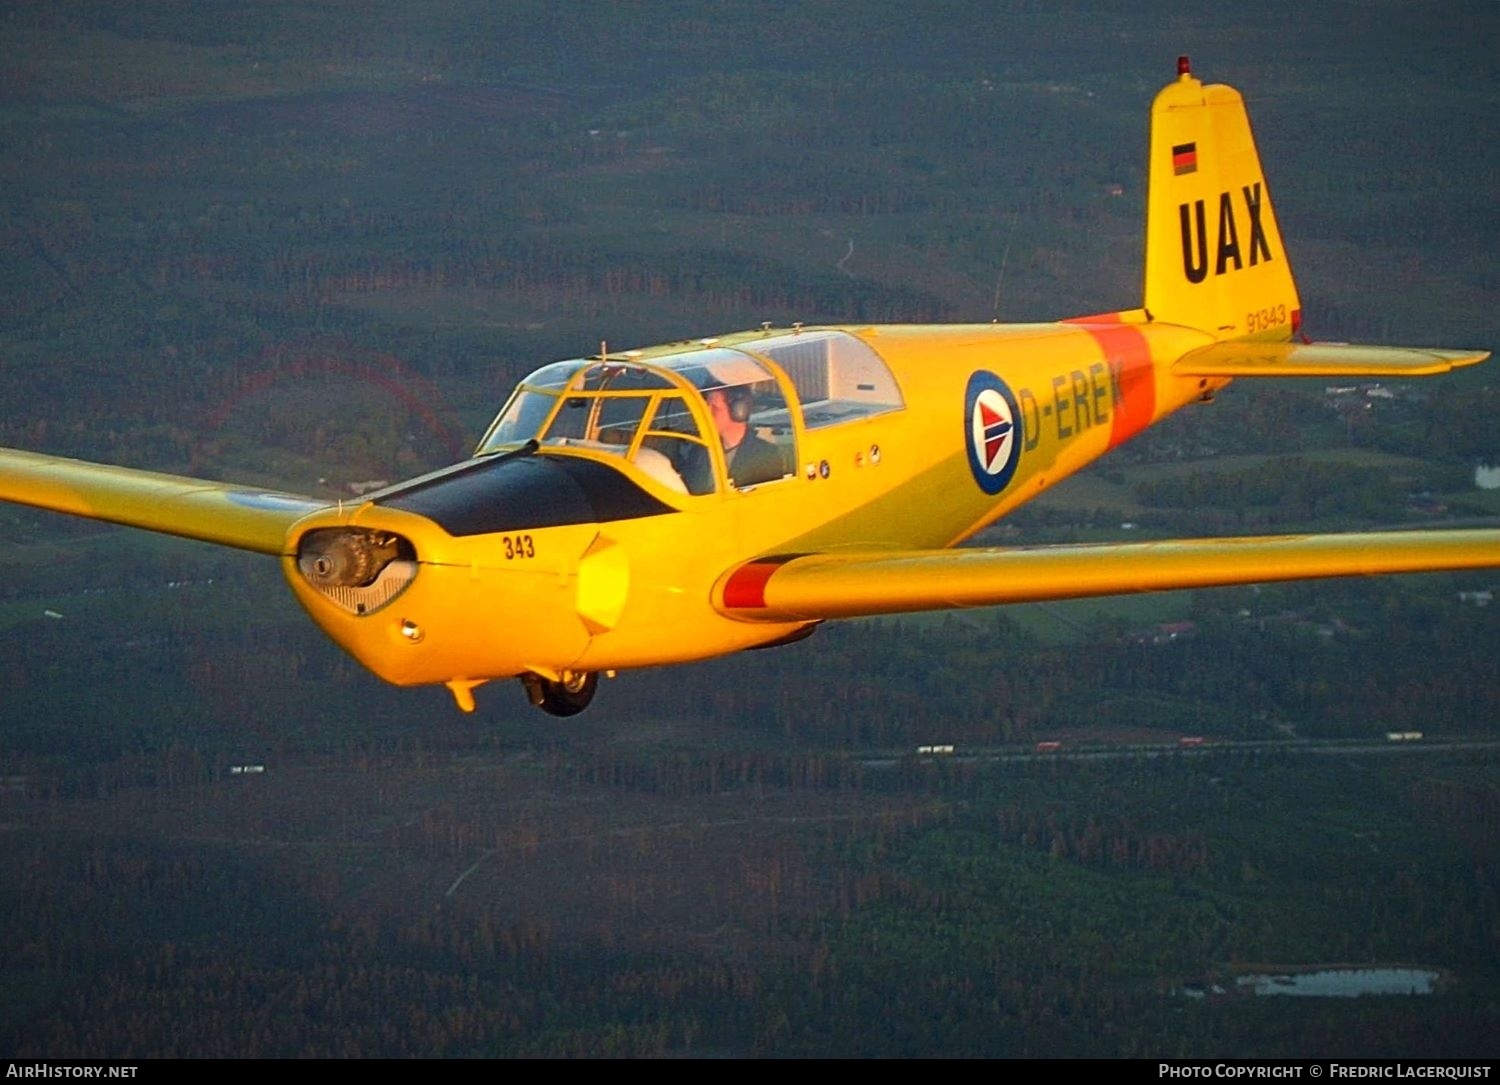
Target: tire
[566, 698]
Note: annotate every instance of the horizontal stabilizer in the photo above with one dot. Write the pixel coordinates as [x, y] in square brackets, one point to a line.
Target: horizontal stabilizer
[215, 512]
[1246, 359]
[812, 587]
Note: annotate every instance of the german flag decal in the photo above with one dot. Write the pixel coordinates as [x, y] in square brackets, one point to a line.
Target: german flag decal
[1185, 158]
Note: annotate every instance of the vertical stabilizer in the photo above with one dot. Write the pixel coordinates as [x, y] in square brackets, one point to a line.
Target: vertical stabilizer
[1214, 257]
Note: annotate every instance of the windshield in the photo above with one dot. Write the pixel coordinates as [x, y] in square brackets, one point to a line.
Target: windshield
[675, 419]
[619, 408]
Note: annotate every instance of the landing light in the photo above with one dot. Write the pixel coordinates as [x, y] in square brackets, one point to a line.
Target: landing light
[411, 630]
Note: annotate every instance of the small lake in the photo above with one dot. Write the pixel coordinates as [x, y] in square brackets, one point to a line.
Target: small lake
[1325, 983]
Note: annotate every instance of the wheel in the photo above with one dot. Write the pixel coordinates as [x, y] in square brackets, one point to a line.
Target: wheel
[566, 698]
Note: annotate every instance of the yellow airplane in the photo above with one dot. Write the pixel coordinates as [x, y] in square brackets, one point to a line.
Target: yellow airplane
[684, 501]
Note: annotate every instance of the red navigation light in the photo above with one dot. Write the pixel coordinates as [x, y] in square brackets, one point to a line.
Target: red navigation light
[1184, 66]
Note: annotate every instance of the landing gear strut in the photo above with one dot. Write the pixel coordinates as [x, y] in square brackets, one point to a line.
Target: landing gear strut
[568, 697]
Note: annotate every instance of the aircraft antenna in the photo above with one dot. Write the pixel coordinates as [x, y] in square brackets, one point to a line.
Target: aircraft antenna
[1004, 259]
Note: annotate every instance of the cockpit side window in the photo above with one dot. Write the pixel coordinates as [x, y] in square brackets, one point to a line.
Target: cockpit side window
[672, 443]
[838, 378]
[752, 422]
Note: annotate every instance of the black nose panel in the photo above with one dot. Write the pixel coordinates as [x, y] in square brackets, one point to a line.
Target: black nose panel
[488, 496]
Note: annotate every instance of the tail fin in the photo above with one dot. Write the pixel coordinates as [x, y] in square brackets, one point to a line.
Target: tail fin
[1214, 257]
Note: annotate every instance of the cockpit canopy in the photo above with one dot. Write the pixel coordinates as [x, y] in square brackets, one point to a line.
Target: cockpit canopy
[692, 420]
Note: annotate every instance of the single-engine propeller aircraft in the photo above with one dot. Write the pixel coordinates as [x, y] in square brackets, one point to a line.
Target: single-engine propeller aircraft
[684, 501]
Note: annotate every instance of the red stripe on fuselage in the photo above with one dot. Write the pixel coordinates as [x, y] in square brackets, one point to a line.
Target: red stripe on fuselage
[1129, 359]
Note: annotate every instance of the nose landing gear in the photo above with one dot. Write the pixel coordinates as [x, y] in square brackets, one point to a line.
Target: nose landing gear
[567, 697]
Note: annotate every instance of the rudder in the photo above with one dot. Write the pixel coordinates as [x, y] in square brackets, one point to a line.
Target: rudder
[1214, 256]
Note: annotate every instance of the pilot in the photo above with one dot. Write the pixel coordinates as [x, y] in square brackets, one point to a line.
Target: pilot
[750, 458]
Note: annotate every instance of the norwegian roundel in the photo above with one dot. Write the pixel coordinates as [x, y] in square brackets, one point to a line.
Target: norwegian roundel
[992, 430]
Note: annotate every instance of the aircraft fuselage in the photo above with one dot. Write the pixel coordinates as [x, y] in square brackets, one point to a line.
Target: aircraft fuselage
[990, 416]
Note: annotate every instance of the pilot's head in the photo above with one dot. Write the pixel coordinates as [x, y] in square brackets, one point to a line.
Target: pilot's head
[730, 409]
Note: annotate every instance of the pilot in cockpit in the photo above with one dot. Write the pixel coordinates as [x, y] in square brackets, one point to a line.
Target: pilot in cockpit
[645, 413]
[750, 458]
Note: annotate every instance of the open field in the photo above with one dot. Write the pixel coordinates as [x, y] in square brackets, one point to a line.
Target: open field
[602, 899]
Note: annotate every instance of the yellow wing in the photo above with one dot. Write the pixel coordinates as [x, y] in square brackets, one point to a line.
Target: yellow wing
[810, 587]
[215, 512]
[1249, 359]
